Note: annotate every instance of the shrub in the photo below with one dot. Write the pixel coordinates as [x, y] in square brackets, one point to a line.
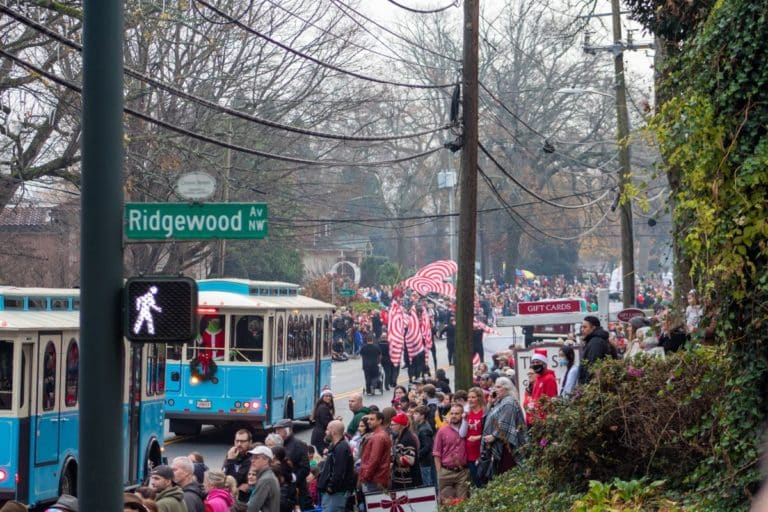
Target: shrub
[642, 418]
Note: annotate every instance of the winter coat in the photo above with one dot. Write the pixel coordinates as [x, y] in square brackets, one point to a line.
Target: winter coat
[219, 500]
[171, 499]
[194, 496]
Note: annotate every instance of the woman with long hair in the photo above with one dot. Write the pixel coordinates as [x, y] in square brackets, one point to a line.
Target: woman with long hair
[397, 395]
[474, 418]
[322, 415]
[567, 358]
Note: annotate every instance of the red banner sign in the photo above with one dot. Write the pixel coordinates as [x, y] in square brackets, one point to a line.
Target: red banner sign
[625, 315]
[548, 307]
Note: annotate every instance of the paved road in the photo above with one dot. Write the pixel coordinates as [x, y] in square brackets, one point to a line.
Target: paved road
[346, 379]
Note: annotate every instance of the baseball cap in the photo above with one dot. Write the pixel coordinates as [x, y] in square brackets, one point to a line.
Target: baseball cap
[65, 502]
[285, 423]
[262, 450]
[400, 419]
[163, 472]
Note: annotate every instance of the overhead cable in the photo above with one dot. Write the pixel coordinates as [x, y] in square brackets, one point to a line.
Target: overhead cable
[319, 62]
[215, 106]
[396, 56]
[218, 142]
[425, 11]
[534, 193]
[342, 6]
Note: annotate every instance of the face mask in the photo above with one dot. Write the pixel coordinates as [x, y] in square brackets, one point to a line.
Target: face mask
[537, 368]
[563, 361]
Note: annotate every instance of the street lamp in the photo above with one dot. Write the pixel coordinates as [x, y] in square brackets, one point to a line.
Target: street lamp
[622, 137]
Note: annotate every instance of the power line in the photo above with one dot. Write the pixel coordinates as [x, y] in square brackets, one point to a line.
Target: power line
[341, 6]
[396, 57]
[218, 142]
[533, 193]
[319, 62]
[215, 106]
[425, 11]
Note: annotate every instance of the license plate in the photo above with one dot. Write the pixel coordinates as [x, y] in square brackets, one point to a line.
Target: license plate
[203, 404]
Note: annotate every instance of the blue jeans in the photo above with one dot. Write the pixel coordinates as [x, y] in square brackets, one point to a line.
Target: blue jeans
[428, 475]
[335, 502]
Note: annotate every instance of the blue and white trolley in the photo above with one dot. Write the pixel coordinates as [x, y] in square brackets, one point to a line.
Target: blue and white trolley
[39, 384]
[263, 354]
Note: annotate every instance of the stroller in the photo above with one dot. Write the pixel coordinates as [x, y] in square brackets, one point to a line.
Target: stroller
[337, 351]
[378, 383]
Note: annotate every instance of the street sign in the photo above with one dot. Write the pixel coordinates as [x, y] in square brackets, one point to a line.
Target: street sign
[160, 309]
[346, 292]
[196, 186]
[625, 315]
[546, 307]
[196, 221]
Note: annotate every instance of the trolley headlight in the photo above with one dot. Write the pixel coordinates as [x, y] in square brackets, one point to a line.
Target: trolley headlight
[255, 405]
[3, 475]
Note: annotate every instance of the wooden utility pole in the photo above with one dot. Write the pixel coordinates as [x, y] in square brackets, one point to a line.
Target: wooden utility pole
[465, 284]
[622, 135]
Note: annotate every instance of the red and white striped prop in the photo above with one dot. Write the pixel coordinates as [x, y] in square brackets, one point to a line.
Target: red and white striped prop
[413, 339]
[396, 332]
[425, 286]
[477, 324]
[476, 359]
[438, 270]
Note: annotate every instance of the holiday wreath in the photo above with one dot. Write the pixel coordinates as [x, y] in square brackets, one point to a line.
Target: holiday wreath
[202, 370]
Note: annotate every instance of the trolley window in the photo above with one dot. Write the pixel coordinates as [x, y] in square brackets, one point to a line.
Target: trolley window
[59, 304]
[155, 369]
[210, 342]
[280, 337]
[13, 303]
[6, 375]
[249, 339]
[73, 366]
[327, 340]
[49, 377]
[300, 337]
[37, 303]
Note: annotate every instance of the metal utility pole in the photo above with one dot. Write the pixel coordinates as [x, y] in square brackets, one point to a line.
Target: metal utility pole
[622, 135]
[465, 285]
[100, 472]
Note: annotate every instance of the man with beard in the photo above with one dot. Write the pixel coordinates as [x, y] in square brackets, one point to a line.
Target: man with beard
[238, 462]
[596, 346]
[450, 453]
[337, 479]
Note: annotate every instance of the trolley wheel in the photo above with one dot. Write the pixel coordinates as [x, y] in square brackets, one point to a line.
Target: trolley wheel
[68, 482]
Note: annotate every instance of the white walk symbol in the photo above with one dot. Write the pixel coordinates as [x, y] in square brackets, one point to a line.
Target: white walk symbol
[144, 305]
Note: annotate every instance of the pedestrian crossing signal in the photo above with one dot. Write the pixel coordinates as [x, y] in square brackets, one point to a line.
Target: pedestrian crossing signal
[160, 309]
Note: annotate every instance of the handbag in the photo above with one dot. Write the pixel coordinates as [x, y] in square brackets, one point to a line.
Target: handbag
[486, 467]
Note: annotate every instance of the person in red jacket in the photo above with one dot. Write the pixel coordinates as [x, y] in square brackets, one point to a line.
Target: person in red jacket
[376, 457]
[544, 386]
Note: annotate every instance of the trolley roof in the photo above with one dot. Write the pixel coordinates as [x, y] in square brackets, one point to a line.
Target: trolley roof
[17, 291]
[227, 300]
[38, 320]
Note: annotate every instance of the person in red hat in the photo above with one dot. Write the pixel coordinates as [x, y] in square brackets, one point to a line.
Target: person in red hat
[545, 384]
[406, 471]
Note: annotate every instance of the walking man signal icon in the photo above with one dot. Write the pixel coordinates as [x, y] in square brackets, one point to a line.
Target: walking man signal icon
[144, 306]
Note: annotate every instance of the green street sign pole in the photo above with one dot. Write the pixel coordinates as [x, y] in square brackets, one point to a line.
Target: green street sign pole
[100, 471]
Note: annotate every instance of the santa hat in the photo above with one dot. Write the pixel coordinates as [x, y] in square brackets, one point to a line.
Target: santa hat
[541, 352]
[326, 391]
[539, 357]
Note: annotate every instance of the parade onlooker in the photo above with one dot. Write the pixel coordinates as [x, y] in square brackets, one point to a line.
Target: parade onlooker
[567, 358]
[238, 462]
[545, 385]
[450, 455]
[405, 463]
[386, 362]
[273, 440]
[296, 450]
[337, 478]
[65, 503]
[266, 491]
[376, 455]
[131, 503]
[322, 415]
[426, 437]
[170, 497]
[450, 338]
[184, 476]
[596, 346]
[370, 355]
[14, 506]
[504, 430]
[219, 498]
[474, 419]
[397, 396]
[359, 410]
[693, 312]
[200, 467]
[528, 403]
